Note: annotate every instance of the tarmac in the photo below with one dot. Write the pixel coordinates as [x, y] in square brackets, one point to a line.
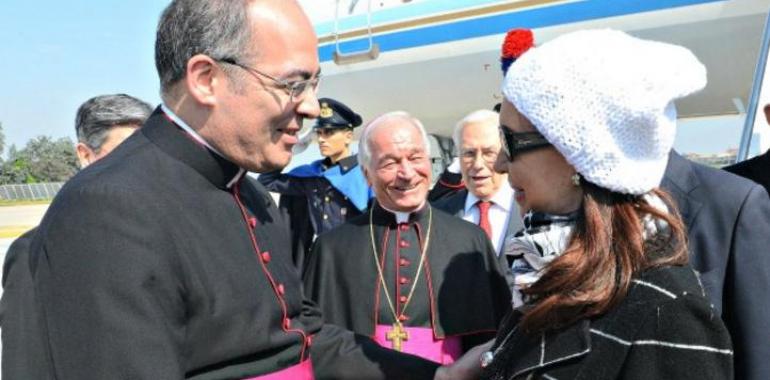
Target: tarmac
[14, 221]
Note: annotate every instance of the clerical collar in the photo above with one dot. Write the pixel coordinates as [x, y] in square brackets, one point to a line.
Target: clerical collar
[401, 216]
[195, 136]
[502, 198]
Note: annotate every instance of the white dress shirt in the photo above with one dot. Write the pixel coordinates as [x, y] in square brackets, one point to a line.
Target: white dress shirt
[499, 212]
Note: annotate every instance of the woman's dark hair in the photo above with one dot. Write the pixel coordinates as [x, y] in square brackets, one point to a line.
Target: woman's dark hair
[606, 252]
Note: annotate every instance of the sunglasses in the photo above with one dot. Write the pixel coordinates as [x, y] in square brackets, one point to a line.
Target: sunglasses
[515, 143]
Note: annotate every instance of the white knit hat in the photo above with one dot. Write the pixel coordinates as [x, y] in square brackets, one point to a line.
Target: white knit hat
[604, 99]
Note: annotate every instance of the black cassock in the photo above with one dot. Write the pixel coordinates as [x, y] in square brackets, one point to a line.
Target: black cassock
[460, 292]
[162, 261]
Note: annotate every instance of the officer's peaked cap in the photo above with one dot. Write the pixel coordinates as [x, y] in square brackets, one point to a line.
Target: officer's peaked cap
[334, 114]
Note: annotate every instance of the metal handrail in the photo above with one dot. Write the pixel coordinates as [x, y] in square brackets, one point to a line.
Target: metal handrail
[751, 113]
[370, 53]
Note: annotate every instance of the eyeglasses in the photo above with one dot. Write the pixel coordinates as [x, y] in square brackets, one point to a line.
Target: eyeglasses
[515, 143]
[487, 155]
[296, 89]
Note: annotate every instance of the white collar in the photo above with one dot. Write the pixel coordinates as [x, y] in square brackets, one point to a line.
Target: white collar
[502, 198]
[401, 216]
[185, 127]
[181, 123]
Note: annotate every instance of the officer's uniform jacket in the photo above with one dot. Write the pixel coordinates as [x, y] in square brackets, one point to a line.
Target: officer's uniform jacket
[333, 193]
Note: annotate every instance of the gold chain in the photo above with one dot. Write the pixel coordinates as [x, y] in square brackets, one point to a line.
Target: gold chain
[379, 267]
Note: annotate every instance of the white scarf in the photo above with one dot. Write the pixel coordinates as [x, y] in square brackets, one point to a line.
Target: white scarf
[546, 236]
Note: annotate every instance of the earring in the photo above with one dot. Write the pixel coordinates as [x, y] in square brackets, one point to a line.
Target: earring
[575, 179]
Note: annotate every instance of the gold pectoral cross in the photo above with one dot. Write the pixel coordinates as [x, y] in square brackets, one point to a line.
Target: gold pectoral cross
[397, 335]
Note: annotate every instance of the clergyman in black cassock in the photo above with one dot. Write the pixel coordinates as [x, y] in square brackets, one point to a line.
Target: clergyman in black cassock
[163, 260]
[418, 269]
[154, 287]
[460, 293]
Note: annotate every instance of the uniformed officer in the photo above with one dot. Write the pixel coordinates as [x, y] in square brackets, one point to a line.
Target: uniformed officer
[325, 193]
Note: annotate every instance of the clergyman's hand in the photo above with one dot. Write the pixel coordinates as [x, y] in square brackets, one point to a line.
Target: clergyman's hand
[468, 367]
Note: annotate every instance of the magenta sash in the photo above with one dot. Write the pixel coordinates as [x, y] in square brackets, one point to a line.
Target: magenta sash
[422, 343]
[301, 371]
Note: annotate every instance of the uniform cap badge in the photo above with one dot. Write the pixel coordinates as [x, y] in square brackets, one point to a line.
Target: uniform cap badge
[326, 111]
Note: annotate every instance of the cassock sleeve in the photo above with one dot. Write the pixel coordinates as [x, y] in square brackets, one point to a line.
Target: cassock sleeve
[282, 183]
[319, 282]
[499, 286]
[295, 210]
[339, 354]
[311, 281]
[109, 289]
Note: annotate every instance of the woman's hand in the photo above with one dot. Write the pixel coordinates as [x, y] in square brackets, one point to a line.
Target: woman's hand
[468, 367]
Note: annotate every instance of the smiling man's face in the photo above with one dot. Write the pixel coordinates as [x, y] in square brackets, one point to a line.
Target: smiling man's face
[400, 170]
[255, 120]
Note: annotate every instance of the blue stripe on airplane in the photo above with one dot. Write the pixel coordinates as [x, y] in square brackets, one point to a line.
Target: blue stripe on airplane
[400, 13]
[501, 23]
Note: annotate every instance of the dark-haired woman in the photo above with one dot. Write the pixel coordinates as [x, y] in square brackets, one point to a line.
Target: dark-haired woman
[602, 285]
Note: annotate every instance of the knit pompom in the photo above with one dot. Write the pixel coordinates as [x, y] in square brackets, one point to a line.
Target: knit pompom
[517, 41]
[605, 100]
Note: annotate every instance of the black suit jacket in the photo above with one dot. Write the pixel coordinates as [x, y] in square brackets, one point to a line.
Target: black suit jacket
[728, 221]
[455, 204]
[756, 169]
[149, 265]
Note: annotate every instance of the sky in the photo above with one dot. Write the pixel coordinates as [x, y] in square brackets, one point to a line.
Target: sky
[54, 55]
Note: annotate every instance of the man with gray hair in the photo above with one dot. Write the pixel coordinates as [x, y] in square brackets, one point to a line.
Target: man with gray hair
[163, 261]
[487, 199]
[403, 272]
[104, 121]
[101, 124]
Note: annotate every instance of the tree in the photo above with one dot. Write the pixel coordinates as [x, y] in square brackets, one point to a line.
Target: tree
[10, 170]
[2, 143]
[49, 160]
[42, 160]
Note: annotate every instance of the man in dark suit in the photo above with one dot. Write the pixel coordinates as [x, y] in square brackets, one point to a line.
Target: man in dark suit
[162, 260]
[728, 222]
[756, 169]
[487, 199]
[101, 124]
